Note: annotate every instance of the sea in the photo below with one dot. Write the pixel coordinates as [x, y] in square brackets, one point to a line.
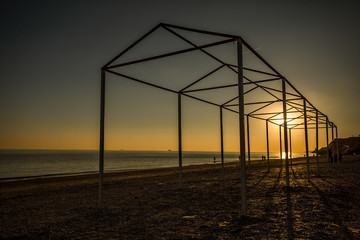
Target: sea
[27, 164]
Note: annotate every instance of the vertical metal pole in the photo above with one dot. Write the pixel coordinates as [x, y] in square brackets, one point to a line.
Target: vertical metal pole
[102, 133]
[337, 146]
[222, 140]
[327, 141]
[241, 128]
[306, 141]
[267, 143]
[317, 140]
[285, 134]
[291, 155]
[332, 142]
[180, 139]
[280, 145]
[248, 137]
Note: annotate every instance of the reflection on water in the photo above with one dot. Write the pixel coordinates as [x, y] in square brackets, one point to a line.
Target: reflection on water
[29, 163]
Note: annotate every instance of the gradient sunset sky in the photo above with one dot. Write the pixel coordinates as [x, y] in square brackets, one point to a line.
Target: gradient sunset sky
[52, 51]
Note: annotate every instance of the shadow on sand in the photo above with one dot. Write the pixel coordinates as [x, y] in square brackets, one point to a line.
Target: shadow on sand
[336, 219]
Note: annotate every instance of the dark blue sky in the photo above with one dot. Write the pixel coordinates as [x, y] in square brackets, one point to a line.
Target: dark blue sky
[52, 52]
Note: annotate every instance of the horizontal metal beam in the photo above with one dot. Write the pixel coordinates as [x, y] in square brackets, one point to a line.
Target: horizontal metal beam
[262, 119]
[250, 90]
[231, 110]
[261, 81]
[211, 88]
[296, 124]
[276, 90]
[274, 113]
[252, 103]
[201, 100]
[288, 119]
[203, 77]
[303, 123]
[170, 54]
[208, 102]
[201, 31]
[141, 81]
[297, 104]
[230, 85]
[258, 71]
[258, 109]
[295, 128]
[264, 102]
[256, 117]
[254, 70]
[230, 101]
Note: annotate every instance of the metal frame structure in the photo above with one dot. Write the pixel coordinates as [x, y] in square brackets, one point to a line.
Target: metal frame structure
[295, 107]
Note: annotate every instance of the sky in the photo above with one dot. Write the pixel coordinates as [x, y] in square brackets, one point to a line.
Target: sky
[52, 53]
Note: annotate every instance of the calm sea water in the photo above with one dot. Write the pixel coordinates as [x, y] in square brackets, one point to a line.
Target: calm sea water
[39, 163]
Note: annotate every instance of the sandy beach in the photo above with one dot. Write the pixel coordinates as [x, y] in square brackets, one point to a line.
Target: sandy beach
[150, 204]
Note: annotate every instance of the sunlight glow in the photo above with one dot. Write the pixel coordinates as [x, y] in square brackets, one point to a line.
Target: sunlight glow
[283, 155]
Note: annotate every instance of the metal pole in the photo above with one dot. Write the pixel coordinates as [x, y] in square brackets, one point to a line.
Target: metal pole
[248, 137]
[102, 133]
[222, 140]
[179, 139]
[267, 143]
[285, 134]
[332, 142]
[306, 141]
[241, 128]
[280, 145]
[291, 155]
[337, 146]
[327, 141]
[317, 140]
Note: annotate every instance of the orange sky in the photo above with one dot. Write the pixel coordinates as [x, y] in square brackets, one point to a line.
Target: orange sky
[147, 128]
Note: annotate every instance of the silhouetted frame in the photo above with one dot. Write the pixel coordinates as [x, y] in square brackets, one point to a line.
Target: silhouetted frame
[289, 104]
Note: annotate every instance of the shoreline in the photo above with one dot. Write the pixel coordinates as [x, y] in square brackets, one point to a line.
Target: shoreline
[47, 163]
[61, 175]
[95, 172]
[174, 170]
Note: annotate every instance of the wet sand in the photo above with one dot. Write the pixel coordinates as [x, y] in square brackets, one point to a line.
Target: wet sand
[151, 205]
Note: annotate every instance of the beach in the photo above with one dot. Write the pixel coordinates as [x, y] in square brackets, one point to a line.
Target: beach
[150, 204]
